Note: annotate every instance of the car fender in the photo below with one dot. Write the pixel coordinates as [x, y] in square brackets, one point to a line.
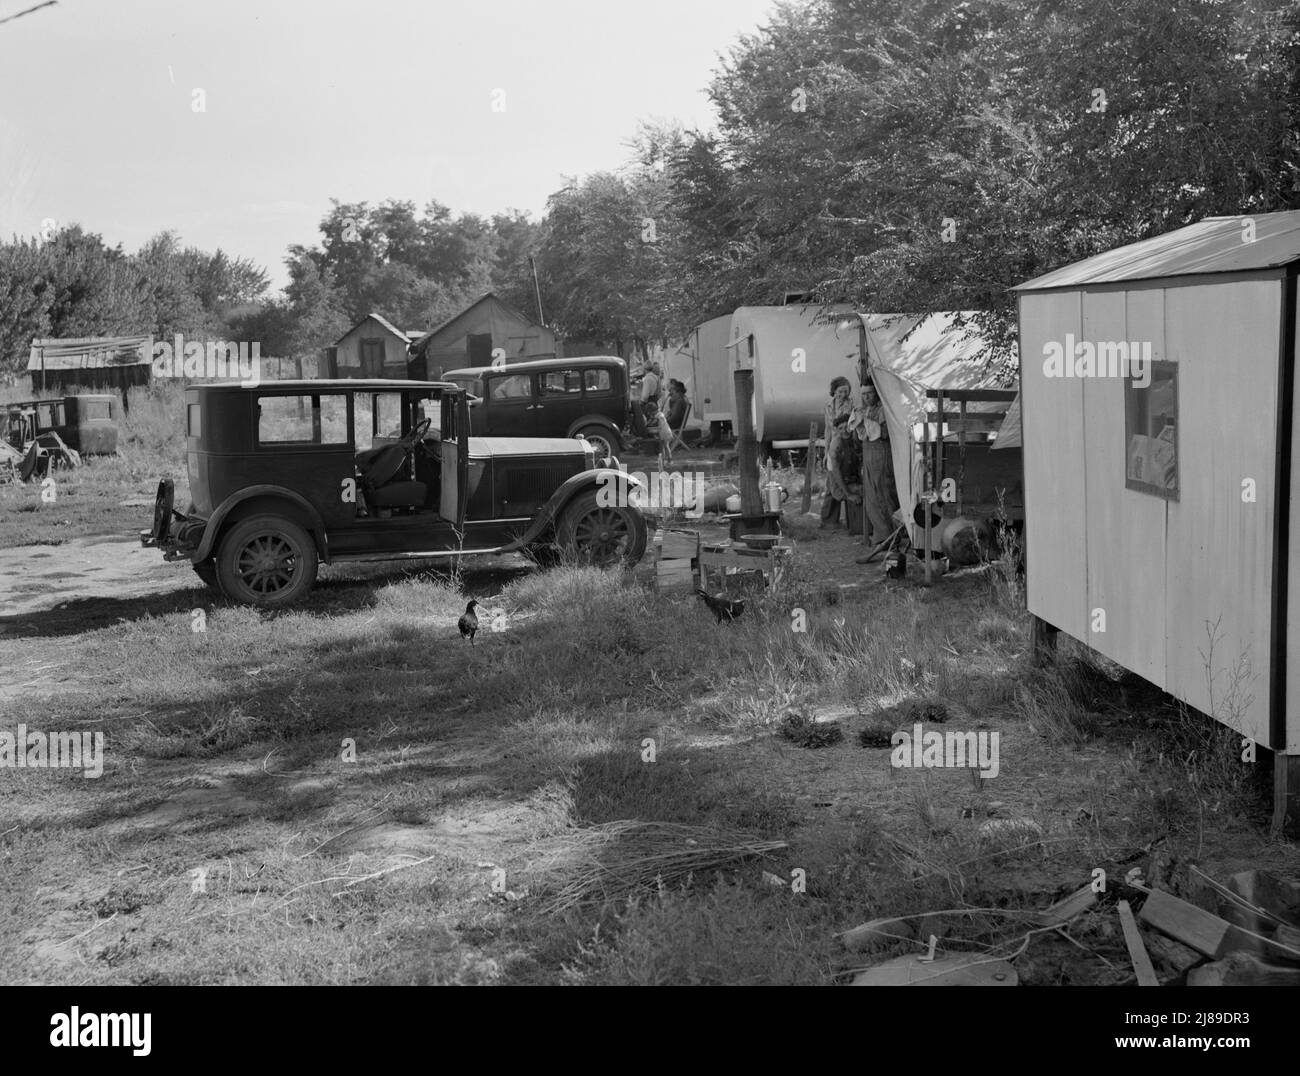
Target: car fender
[315, 524]
[594, 420]
[572, 487]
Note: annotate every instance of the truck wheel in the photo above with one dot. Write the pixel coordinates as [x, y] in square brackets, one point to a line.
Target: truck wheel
[602, 535]
[207, 571]
[266, 560]
[605, 443]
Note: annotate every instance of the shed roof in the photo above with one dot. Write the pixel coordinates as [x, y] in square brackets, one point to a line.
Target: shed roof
[1213, 245]
[383, 322]
[418, 346]
[90, 352]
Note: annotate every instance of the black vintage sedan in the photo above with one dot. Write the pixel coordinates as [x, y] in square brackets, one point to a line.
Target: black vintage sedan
[290, 474]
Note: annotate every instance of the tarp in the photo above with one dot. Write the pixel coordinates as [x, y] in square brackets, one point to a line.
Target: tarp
[1009, 432]
[936, 355]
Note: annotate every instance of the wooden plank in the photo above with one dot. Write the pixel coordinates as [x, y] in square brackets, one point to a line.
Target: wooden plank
[1052, 423]
[1205, 932]
[1124, 529]
[1146, 974]
[1185, 922]
[1067, 908]
[1219, 549]
[974, 395]
[1242, 969]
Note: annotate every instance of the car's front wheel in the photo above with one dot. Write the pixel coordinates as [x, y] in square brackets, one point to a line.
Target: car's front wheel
[266, 560]
[606, 444]
[602, 535]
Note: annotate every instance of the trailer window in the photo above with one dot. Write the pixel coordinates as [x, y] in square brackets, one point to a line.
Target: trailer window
[1151, 430]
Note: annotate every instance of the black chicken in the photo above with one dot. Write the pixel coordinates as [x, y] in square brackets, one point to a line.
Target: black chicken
[723, 608]
[468, 622]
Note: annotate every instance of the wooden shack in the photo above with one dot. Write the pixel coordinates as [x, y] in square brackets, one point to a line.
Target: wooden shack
[486, 327]
[373, 347]
[113, 363]
[1158, 402]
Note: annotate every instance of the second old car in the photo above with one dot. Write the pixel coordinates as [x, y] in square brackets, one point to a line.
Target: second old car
[291, 474]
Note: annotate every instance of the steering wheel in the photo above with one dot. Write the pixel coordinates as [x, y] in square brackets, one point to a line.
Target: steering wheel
[416, 435]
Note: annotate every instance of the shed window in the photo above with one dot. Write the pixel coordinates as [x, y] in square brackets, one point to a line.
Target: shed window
[1151, 429]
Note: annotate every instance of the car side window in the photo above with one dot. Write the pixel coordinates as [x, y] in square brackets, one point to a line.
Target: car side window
[319, 419]
[511, 387]
[596, 382]
[561, 383]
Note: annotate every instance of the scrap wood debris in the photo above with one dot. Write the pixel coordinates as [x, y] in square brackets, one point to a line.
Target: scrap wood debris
[618, 859]
[1251, 938]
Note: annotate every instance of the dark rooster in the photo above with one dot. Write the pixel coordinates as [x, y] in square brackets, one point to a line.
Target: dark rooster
[468, 622]
[723, 608]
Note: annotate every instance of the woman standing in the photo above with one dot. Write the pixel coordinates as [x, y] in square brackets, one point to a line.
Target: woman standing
[879, 494]
[835, 417]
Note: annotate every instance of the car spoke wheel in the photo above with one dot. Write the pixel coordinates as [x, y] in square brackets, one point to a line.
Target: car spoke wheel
[602, 442]
[267, 561]
[601, 534]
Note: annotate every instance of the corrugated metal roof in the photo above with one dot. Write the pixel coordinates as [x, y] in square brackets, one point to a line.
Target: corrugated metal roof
[1214, 245]
[89, 352]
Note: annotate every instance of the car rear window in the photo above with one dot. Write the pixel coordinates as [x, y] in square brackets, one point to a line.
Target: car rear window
[303, 420]
[596, 381]
[193, 424]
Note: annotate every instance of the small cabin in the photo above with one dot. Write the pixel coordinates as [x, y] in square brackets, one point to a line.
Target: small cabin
[373, 347]
[1157, 412]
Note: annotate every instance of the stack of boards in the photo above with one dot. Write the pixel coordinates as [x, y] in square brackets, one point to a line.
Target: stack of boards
[675, 560]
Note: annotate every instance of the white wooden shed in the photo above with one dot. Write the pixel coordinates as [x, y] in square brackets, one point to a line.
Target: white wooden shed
[1158, 402]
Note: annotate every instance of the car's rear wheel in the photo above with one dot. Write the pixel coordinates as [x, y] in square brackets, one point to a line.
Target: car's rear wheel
[605, 443]
[266, 560]
[602, 535]
[207, 571]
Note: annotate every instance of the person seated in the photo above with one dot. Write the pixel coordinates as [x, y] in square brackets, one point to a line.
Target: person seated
[677, 406]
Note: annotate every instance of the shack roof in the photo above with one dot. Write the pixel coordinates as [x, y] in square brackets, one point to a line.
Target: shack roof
[1213, 245]
[90, 352]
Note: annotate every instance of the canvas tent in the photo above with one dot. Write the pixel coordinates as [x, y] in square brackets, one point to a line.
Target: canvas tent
[907, 354]
[794, 352]
[1163, 507]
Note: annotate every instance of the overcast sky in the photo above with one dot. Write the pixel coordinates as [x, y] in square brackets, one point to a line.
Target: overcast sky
[359, 100]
